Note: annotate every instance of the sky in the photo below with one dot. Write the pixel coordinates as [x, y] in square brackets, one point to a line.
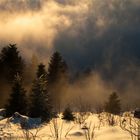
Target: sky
[86, 32]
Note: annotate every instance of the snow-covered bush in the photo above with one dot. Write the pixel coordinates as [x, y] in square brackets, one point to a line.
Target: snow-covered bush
[131, 124]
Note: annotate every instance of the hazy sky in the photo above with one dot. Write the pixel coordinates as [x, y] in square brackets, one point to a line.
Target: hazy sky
[84, 31]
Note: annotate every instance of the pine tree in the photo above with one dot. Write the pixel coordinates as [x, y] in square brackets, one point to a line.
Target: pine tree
[41, 71]
[57, 78]
[40, 104]
[17, 101]
[57, 68]
[113, 105]
[67, 114]
[11, 63]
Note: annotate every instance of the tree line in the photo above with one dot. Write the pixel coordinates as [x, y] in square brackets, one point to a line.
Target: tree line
[43, 97]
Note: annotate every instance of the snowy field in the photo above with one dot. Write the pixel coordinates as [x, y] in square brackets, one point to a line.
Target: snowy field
[85, 127]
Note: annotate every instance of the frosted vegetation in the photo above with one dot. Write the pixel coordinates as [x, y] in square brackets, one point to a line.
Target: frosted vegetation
[86, 126]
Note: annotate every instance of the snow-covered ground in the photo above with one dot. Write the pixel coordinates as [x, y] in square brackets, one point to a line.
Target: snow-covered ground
[90, 126]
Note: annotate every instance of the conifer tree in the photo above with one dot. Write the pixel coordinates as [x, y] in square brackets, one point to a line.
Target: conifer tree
[11, 63]
[68, 115]
[40, 104]
[113, 105]
[17, 101]
[41, 71]
[57, 68]
[57, 78]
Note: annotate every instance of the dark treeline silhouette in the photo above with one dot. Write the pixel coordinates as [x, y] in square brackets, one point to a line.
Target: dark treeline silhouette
[17, 101]
[31, 89]
[40, 104]
[11, 64]
[38, 91]
[57, 78]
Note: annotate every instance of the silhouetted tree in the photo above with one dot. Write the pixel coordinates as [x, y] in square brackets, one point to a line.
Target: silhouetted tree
[40, 104]
[11, 62]
[41, 71]
[68, 115]
[57, 78]
[113, 105]
[17, 101]
[57, 66]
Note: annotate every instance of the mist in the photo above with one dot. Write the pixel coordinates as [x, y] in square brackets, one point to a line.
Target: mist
[101, 35]
[93, 31]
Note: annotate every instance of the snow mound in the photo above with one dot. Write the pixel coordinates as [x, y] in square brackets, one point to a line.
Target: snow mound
[25, 121]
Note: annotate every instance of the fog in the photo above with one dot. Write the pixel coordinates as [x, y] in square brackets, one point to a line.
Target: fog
[91, 31]
[102, 35]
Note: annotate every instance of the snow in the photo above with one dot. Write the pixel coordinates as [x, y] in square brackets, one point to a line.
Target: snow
[2, 113]
[69, 130]
[25, 121]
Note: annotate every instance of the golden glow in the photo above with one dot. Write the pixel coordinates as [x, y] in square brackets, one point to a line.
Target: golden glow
[45, 23]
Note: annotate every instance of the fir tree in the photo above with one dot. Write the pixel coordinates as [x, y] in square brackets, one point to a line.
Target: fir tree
[113, 105]
[57, 68]
[41, 71]
[57, 77]
[40, 104]
[11, 63]
[17, 101]
[68, 115]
